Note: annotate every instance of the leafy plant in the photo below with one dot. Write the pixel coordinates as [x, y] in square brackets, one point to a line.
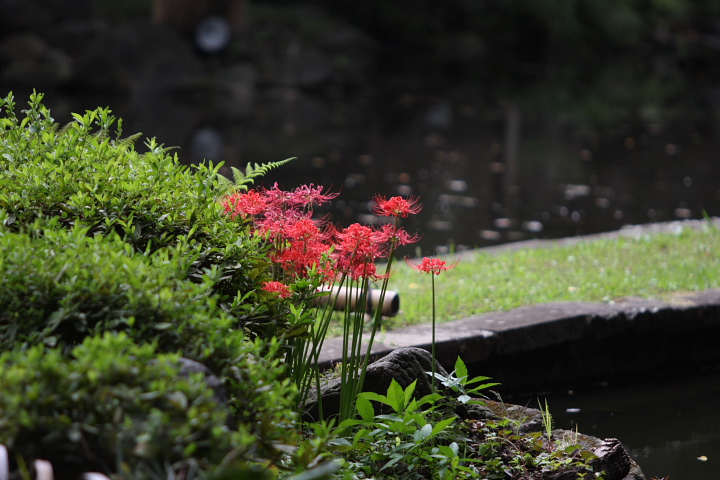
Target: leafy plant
[504, 453]
[410, 442]
[422, 438]
[547, 421]
[460, 383]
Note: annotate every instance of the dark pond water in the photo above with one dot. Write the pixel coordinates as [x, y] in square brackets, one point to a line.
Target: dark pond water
[548, 158]
[670, 426]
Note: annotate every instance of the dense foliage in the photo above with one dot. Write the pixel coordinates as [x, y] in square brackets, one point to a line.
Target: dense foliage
[80, 177]
[114, 263]
[111, 406]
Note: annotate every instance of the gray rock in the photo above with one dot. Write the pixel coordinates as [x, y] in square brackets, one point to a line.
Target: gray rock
[476, 412]
[404, 365]
[613, 459]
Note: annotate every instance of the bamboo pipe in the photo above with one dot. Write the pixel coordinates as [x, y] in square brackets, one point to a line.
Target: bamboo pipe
[351, 295]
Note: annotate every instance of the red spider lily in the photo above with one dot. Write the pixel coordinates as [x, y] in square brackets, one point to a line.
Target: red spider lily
[357, 248]
[244, 204]
[397, 236]
[432, 265]
[307, 252]
[396, 206]
[359, 241]
[276, 197]
[303, 246]
[302, 197]
[306, 195]
[360, 270]
[404, 238]
[303, 228]
[280, 288]
[301, 256]
[281, 222]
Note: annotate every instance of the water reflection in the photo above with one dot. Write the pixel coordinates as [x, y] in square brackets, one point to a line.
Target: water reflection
[555, 161]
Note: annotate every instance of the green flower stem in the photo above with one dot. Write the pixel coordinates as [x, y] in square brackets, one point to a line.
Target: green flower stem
[376, 319]
[432, 381]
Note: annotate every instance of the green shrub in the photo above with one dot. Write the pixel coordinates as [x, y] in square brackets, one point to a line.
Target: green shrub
[84, 178]
[62, 287]
[112, 406]
[113, 263]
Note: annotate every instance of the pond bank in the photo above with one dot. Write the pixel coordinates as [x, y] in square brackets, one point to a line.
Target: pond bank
[570, 344]
[560, 344]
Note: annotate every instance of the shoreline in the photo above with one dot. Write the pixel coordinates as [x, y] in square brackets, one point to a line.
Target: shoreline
[546, 346]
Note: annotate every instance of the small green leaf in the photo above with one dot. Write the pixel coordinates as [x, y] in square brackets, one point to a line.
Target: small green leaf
[460, 368]
[429, 399]
[178, 400]
[484, 386]
[79, 118]
[376, 397]
[409, 392]
[441, 425]
[365, 409]
[396, 396]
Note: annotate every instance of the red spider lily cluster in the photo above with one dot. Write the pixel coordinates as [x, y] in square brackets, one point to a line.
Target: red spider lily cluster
[431, 265]
[304, 246]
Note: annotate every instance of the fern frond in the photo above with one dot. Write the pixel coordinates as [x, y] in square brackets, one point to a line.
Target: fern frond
[129, 140]
[241, 180]
[224, 182]
[238, 176]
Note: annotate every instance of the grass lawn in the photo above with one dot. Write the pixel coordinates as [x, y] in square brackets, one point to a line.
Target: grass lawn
[650, 266]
